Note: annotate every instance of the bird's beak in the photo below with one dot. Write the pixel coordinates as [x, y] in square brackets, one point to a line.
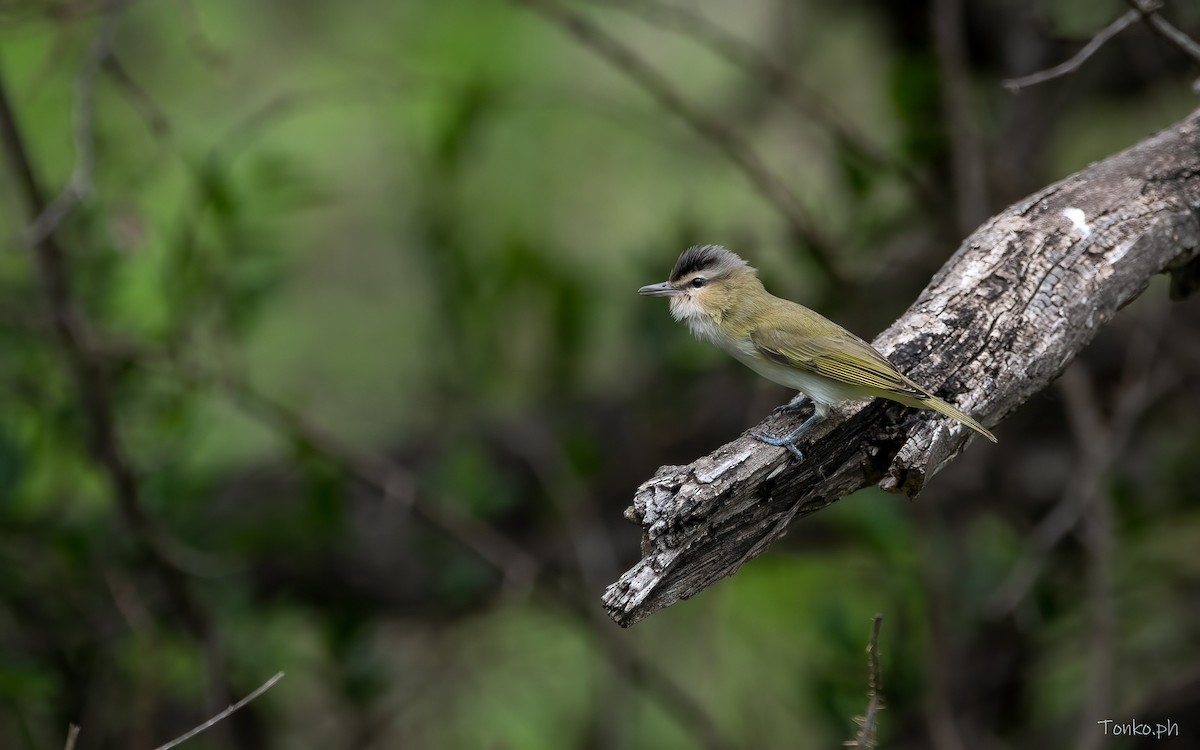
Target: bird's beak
[663, 289]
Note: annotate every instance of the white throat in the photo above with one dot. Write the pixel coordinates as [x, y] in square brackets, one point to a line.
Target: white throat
[704, 326]
[701, 324]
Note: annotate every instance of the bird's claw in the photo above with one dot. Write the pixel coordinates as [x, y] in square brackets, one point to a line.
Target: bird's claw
[799, 405]
[787, 441]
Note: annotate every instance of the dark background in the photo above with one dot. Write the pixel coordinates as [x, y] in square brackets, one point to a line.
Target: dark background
[356, 281]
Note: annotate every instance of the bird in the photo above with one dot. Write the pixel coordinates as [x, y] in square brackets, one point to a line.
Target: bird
[719, 296]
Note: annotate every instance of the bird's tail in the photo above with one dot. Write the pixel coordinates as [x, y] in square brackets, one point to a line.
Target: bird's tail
[940, 406]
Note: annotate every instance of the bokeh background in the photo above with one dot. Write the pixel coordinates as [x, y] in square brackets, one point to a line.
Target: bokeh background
[358, 281]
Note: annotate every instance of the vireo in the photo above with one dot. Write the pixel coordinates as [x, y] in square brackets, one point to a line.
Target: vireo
[722, 301]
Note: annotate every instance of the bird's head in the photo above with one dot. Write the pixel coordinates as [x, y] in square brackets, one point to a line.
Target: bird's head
[707, 281]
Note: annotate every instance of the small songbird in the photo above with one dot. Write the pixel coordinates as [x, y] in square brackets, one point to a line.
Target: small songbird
[722, 301]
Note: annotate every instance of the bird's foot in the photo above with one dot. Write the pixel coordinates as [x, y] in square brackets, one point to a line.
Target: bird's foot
[786, 408]
[787, 441]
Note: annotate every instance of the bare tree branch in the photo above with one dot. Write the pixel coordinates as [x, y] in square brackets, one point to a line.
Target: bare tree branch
[1161, 26]
[865, 738]
[72, 335]
[1001, 320]
[712, 129]
[223, 715]
[69, 328]
[1077, 60]
[72, 736]
[1140, 10]
[777, 79]
[762, 69]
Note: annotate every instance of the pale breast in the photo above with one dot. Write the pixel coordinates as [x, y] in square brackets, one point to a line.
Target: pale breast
[817, 387]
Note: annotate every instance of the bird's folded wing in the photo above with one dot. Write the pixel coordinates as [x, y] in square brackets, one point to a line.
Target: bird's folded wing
[846, 359]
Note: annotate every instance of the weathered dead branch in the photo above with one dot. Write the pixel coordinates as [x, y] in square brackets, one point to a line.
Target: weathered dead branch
[1021, 297]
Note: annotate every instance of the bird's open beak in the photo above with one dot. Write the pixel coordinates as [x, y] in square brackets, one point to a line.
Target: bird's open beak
[663, 289]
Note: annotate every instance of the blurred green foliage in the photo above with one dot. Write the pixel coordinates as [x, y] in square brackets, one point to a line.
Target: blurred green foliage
[419, 226]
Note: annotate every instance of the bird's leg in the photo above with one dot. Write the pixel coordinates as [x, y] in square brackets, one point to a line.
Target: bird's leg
[789, 440]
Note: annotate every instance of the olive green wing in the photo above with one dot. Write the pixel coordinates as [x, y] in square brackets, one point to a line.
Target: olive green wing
[840, 356]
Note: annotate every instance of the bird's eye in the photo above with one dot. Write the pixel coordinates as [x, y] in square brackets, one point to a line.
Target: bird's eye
[698, 282]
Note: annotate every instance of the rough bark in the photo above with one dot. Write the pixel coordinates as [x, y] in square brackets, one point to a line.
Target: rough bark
[1000, 321]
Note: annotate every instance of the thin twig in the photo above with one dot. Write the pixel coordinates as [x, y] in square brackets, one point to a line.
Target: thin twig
[866, 730]
[1147, 12]
[712, 129]
[223, 715]
[79, 186]
[1162, 27]
[1077, 60]
[72, 736]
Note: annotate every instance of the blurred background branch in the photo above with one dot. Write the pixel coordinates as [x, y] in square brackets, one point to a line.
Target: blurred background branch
[713, 129]
[73, 339]
[1078, 59]
[80, 185]
[780, 81]
[1148, 10]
